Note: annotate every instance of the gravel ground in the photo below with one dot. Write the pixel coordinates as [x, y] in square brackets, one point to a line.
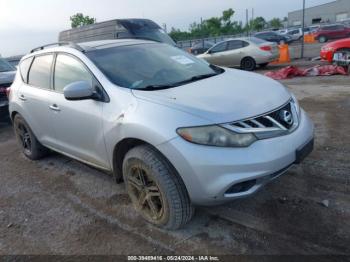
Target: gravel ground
[60, 206]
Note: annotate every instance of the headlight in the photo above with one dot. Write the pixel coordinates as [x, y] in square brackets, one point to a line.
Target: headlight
[216, 136]
[296, 104]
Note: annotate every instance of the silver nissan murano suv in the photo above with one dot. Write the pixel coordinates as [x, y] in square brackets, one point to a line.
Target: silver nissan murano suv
[178, 131]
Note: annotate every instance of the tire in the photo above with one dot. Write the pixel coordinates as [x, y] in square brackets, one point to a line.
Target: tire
[151, 181]
[263, 65]
[27, 141]
[322, 39]
[248, 64]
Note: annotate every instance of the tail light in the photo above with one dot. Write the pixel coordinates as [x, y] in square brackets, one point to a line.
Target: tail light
[8, 91]
[266, 48]
[3, 90]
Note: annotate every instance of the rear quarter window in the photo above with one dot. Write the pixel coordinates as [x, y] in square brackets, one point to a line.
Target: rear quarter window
[40, 71]
[24, 68]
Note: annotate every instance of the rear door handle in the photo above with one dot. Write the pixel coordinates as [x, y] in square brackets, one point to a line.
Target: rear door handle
[22, 97]
[54, 107]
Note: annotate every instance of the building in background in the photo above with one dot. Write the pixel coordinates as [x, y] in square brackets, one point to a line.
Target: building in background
[333, 12]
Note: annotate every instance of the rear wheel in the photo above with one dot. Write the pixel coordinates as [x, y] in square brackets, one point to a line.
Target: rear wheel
[248, 64]
[155, 189]
[27, 141]
[322, 39]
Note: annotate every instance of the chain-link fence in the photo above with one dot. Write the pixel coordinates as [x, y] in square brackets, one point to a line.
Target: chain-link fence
[186, 44]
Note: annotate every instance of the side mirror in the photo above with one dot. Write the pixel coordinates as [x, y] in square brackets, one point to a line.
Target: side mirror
[79, 90]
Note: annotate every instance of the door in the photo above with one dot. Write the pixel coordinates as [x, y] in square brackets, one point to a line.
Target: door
[34, 96]
[77, 124]
[216, 54]
[235, 52]
[342, 32]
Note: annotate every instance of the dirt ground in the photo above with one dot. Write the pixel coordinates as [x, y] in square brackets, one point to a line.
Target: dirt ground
[60, 206]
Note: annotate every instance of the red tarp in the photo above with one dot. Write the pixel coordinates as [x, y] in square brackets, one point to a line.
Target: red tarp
[293, 71]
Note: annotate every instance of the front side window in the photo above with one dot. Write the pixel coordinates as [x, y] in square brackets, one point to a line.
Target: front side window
[68, 70]
[40, 71]
[150, 66]
[219, 48]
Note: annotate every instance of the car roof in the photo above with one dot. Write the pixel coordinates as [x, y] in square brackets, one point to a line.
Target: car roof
[86, 46]
[113, 43]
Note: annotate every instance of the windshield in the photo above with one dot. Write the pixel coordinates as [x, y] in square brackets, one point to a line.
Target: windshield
[150, 66]
[5, 66]
[156, 34]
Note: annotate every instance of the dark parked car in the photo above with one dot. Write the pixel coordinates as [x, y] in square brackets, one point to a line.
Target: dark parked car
[14, 60]
[7, 74]
[274, 37]
[200, 47]
[336, 31]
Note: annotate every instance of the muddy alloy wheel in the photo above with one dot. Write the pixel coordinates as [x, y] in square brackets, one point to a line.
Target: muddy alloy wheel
[145, 194]
[29, 144]
[156, 189]
[24, 138]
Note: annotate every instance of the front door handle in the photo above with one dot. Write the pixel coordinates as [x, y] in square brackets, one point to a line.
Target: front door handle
[22, 97]
[54, 107]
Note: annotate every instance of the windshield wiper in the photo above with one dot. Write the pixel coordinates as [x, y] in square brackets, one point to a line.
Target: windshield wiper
[156, 87]
[190, 80]
[195, 78]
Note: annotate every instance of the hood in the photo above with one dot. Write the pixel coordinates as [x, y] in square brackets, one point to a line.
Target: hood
[231, 96]
[7, 77]
[345, 42]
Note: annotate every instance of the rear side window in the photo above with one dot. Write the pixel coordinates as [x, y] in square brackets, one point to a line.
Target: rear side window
[24, 68]
[236, 44]
[39, 74]
[68, 70]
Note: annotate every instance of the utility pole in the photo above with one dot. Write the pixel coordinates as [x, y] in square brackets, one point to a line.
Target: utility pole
[247, 20]
[303, 30]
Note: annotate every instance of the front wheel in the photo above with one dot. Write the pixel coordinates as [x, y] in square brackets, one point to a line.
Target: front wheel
[155, 189]
[27, 141]
[248, 64]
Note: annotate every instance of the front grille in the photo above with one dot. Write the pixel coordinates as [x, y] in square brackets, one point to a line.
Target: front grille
[3, 96]
[278, 122]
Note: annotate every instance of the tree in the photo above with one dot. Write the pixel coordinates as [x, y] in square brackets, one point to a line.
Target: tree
[214, 26]
[258, 24]
[227, 15]
[79, 19]
[276, 23]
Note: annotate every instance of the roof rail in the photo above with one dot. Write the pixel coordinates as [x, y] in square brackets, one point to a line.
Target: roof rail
[70, 44]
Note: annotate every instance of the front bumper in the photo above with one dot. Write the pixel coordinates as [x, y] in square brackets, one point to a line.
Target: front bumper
[326, 55]
[209, 173]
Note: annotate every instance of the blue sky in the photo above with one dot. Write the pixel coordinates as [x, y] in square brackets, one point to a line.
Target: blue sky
[27, 24]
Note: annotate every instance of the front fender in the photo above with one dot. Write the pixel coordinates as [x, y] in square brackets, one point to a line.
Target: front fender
[150, 122]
